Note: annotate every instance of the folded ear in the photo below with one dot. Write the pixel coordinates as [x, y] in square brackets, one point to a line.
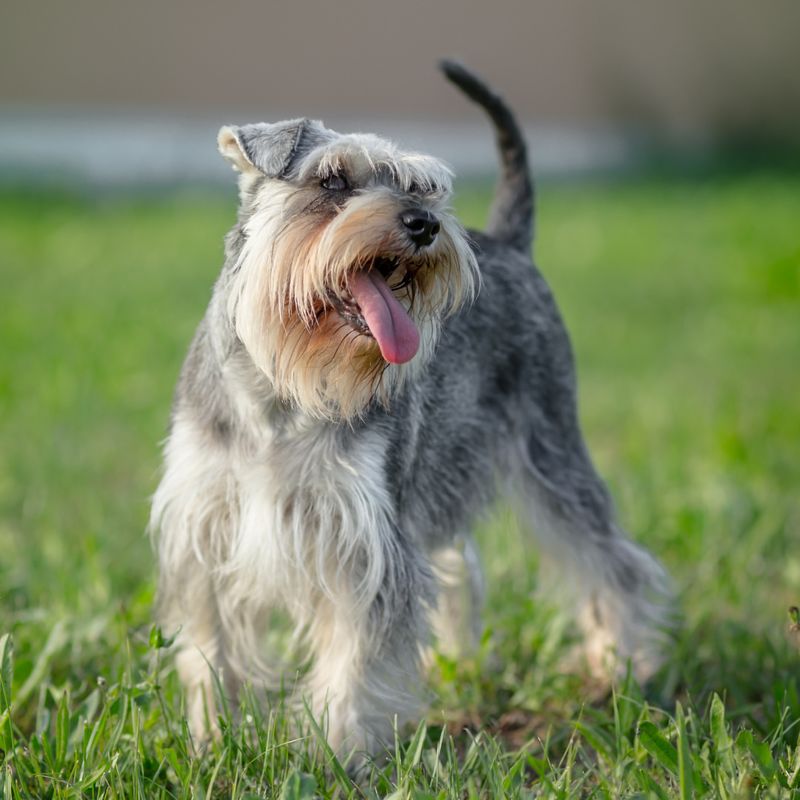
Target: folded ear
[270, 148]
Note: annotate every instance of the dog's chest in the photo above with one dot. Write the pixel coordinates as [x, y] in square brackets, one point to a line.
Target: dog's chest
[311, 507]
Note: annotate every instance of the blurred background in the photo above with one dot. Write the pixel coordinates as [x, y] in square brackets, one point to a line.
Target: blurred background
[116, 93]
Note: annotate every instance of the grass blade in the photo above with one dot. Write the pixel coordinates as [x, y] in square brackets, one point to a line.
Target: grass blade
[651, 738]
[6, 671]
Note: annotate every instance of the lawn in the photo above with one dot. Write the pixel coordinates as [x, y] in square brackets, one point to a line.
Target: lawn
[683, 300]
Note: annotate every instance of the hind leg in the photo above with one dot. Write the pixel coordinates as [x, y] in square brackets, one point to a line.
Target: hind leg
[456, 619]
[618, 592]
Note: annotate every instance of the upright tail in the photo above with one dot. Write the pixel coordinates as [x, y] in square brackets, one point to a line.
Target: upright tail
[511, 216]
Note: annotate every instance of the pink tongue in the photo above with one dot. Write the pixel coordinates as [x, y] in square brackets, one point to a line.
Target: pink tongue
[388, 321]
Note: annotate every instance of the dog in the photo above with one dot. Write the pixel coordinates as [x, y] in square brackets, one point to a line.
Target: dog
[368, 377]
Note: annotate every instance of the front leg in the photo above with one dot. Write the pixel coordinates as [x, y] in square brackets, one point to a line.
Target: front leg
[367, 655]
[201, 646]
[191, 522]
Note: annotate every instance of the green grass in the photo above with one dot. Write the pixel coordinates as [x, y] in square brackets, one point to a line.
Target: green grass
[683, 300]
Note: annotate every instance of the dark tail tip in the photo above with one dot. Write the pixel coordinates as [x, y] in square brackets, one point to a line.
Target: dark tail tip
[511, 217]
[458, 74]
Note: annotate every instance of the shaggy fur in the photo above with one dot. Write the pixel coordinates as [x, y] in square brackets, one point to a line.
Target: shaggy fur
[305, 472]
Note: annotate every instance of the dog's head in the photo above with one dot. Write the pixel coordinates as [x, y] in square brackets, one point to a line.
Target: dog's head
[347, 259]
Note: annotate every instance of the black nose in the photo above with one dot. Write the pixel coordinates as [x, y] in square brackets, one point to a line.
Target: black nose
[421, 225]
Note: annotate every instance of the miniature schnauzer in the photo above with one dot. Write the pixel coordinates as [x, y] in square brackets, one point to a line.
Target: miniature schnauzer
[367, 377]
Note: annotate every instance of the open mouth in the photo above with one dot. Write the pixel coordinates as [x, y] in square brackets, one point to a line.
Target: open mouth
[369, 305]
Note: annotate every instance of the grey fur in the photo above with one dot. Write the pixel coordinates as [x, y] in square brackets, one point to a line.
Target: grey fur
[387, 492]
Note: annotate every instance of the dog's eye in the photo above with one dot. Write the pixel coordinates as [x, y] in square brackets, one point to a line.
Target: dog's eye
[335, 183]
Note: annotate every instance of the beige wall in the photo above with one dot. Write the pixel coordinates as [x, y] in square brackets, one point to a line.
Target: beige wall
[681, 67]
